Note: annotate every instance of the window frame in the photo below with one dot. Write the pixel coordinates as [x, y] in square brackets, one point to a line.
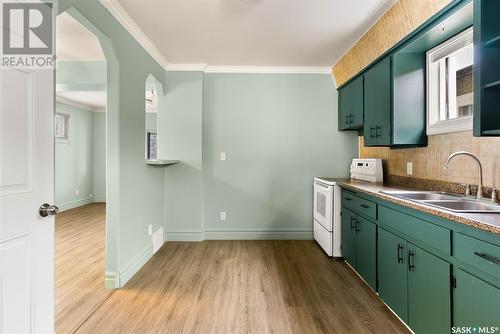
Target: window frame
[66, 127]
[455, 124]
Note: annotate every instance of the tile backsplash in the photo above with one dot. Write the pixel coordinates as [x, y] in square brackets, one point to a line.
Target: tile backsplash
[428, 161]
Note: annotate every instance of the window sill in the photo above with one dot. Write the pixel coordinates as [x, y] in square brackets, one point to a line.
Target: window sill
[454, 125]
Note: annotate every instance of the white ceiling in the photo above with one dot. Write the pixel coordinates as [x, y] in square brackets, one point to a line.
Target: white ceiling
[255, 32]
[75, 42]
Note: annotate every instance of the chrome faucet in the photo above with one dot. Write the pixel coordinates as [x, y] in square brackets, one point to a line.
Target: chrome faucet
[480, 168]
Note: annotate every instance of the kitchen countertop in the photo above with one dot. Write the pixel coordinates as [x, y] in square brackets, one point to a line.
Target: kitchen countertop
[489, 222]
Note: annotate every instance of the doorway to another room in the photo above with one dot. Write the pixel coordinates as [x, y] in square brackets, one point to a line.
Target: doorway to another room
[80, 175]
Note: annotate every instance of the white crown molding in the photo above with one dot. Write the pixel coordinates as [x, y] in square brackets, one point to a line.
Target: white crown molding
[187, 67]
[251, 69]
[75, 104]
[129, 24]
[270, 69]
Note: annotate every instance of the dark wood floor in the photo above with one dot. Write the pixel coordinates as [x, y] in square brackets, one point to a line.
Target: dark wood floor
[243, 287]
[80, 265]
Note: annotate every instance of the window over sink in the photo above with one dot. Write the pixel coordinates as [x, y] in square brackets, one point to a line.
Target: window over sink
[450, 85]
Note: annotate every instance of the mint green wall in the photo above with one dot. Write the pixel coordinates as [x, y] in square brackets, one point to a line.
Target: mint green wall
[278, 132]
[99, 157]
[151, 121]
[81, 75]
[80, 161]
[74, 160]
[180, 137]
[131, 183]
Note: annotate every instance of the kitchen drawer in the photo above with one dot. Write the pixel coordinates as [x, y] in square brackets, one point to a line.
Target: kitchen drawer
[418, 229]
[477, 253]
[359, 205]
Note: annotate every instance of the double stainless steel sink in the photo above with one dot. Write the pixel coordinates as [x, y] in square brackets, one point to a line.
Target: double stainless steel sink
[451, 202]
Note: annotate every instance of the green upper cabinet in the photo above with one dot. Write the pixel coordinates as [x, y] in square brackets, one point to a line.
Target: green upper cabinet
[351, 105]
[377, 95]
[394, 95]
[486, 68]
[394, 85]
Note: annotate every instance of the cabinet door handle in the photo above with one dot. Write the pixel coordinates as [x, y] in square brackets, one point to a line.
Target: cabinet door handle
[371, 132]
[348, 198]
[376, 131]
[487, 257]
[357, 226]
[400, 253]
[411, 259]
[364, 206]
[353, 224]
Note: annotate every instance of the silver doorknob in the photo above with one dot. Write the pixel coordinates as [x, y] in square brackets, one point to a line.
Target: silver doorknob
[48, 210]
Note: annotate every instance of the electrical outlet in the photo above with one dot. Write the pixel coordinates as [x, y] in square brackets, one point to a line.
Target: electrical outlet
[409, 168]
[222, 156]
[150, 230]
[77, 192]
[222, 215]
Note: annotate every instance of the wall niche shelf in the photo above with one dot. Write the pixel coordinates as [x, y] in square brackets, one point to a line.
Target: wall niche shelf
[161, 162]
[495, 84]
[493, 42]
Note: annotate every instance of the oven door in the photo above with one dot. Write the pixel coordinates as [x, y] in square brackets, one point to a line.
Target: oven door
[323, 204]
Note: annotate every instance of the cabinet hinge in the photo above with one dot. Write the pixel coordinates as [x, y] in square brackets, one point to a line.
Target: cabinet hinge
[453, 281]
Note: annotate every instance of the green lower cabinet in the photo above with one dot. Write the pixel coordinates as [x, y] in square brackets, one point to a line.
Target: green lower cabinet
[366, 250]
[392, 272]
[475, 302]
[359, 245]
[429, 292]
[348, 237]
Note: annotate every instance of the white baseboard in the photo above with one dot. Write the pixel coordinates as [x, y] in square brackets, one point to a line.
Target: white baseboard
[99, 199]
[259, 235]
[184, 236]
[75, 204]
[133, 267]
[111, 280]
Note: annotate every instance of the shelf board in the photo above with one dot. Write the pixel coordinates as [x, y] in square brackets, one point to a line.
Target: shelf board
[161, 162]
[491, 132]
[492, 42]
[494, 84]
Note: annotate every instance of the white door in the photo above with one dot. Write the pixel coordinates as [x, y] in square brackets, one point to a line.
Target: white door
[26, 182]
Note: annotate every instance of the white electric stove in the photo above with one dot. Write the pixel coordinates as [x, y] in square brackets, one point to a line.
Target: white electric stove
[326, 216]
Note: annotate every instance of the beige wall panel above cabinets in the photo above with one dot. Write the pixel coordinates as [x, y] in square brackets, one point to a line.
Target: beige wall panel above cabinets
[399, 21]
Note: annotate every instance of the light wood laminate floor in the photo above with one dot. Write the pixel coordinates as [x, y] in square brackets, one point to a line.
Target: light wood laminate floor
[243, 287]
[80, 265]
